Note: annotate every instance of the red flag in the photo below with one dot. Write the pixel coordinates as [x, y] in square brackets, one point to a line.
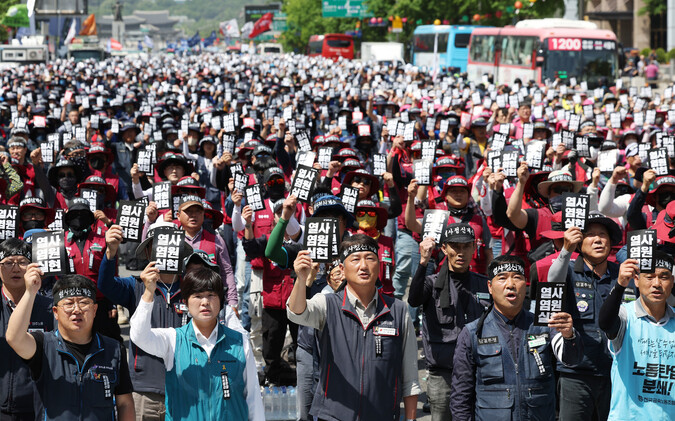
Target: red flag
[262, 25]
[115, 45]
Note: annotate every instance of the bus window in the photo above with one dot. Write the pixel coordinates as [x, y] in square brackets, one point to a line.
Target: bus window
[462, 40]
[424, 43]
[518, 50]
[315, 47]
[482, 49]
[338, 43]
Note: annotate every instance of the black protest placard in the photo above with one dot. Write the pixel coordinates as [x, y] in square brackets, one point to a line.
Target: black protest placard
[8, 221]
[229, 123]
[668, 142]
[550, 300]
[510, 163]
[320, 236]
[643, 151]
[429, 149]
[535, 154]
[305, 158]
[91, 196]
[528, 130]
[50, 252]
[379, 164]
[434, 223]
[47, 150]
[409, 132]
[494, 160]
[229, 142]
[575, 210]
[498, 142]
[422, 171]
[349, 196]
[304, 182]
[582, 146]
[161, 194]
[658, 161]
[144, 160]
[130, 218]
[166, 247]
[567, 138]
[325, 156]
[303, 141]
[254, 198]
[58, 220]
[641, 246]
[574, 122]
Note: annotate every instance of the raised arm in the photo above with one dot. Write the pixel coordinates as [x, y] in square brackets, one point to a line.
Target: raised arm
[515, 211]
[17, 334]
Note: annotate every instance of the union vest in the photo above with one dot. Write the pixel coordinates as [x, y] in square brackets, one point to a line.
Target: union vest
[356, 382]
[71, 392]
[88, 261]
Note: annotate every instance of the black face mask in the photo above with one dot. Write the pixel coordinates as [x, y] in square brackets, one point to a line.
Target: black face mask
[67, 184]
[81, 162]
[664, 198]
[276, 192]
[97, 163]
[556, 204]
[32, 224]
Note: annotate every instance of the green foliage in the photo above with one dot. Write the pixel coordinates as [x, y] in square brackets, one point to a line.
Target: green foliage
[304, 20]
[671, 55]
[645, 52]
[661, 56]
[4, 5]
[653, 7]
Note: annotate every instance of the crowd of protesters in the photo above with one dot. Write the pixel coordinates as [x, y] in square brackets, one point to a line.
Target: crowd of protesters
[250, 306]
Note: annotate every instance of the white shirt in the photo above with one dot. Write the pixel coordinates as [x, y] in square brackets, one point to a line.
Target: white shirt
[161, 342]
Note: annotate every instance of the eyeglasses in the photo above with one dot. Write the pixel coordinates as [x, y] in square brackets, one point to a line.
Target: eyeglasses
[277, 181]
[69, 306]
[361, 180]
[77, 154]
[361, 214]
[66, 175]
[562, 189]
[11, 265]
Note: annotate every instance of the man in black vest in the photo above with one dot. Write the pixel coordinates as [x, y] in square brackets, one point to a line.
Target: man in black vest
[451, 299]
[79, 373]
[367, 341]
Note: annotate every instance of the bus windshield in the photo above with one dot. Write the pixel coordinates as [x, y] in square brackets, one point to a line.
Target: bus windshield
[591, 61]
[424, 43]
[315, 47]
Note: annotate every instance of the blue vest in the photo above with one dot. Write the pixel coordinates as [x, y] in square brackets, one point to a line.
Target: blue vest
[71, 392]
[358, 381]
[507, 389]
[643, 371]
[194, 386]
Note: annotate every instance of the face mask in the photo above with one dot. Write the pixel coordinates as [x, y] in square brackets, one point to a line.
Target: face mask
[276, 192]
[80, 224]
[556, 203]
[81, 162]
[665, 198]
[97, 163]
[32, 224]
[367, 222]
[67, 184]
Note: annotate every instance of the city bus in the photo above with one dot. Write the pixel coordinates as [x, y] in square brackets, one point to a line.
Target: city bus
[452, 47]
[542, 49]
[331, 46]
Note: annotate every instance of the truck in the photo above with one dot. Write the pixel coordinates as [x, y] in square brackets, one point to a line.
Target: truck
[28, 50]
[86, 47]
[383, 52]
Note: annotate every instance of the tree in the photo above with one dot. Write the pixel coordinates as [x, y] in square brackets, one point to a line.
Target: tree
[304, 19]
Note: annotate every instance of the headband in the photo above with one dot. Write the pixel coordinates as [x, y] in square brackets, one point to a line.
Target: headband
[662, 263]
[356, 248]
[507, 267]
[74, 292]
[27, 254]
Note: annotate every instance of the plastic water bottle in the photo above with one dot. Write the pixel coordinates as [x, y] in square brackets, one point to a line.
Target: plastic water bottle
[292, 396]
[267, 402]
[276, 404]
[283, 407]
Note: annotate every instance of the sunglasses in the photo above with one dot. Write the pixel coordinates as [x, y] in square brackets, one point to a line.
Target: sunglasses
[361, 180]
[66, 175]
[361, 214]
[275, 181]
[562, 189]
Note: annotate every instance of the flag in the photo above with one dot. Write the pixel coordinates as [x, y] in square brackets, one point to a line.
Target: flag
[71, 32]
[229, 28]
[147, 41]
[194, 40]
[114, 44]
[210, 40]
[16, 16]
[246, 29]
[262, 25]
[89, 26]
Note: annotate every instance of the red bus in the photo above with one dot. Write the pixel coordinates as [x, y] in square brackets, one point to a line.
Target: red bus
[331, 46]
[545, 49]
